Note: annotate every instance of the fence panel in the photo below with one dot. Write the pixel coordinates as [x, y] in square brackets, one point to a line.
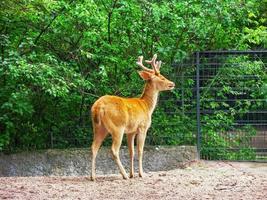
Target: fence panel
[232, 105]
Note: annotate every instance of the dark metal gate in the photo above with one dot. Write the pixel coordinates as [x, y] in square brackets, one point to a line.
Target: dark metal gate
[231, 93]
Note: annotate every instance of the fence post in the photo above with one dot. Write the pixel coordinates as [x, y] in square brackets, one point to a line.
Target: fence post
[198, 107]
[51, 139]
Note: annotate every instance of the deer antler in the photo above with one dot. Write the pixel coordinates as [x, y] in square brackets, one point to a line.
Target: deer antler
[154, 64]
[158, 65]
[140, 63]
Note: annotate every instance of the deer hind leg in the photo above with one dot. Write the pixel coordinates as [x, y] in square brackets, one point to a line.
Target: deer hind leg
[115, 148]
[130, 140]
[141, 137]
[100, 134]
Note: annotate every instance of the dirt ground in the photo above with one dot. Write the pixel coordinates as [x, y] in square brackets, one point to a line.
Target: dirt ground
[197, 180]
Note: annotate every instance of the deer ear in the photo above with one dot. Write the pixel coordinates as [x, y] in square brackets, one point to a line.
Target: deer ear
[146, 75]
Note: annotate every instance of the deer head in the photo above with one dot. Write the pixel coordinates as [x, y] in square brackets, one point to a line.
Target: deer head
[153, 76]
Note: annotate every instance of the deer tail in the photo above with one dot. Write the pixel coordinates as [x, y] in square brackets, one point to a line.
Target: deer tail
[96, 115]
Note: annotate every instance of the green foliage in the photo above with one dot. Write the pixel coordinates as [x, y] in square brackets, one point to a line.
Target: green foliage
[58, 57]
[256, 31]
[172, 128]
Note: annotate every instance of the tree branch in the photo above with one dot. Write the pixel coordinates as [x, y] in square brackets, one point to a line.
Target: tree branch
[45, 29]
[110, 12]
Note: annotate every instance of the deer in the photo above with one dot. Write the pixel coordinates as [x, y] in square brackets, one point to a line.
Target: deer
[117, 116]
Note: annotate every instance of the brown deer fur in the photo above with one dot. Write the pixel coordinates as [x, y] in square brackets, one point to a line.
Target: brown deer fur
[132, 116]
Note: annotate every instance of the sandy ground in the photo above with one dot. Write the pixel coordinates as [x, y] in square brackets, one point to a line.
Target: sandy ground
[197, 180]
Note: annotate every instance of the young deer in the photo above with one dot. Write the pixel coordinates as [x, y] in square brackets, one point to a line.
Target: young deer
[132, 116]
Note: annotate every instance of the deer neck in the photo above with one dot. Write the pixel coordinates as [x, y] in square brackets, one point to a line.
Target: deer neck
[150, 96]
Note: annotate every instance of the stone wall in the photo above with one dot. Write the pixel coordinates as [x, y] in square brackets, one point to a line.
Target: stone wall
[77, 162]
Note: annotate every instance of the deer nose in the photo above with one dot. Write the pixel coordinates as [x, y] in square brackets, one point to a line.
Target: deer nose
[172, 84]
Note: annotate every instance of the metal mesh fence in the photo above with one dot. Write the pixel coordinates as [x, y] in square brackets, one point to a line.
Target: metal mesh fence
[232, 105]
[219, 104]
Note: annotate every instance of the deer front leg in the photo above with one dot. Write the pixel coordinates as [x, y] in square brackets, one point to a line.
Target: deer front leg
[141, 137]
[115, 148]
[130, 139]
